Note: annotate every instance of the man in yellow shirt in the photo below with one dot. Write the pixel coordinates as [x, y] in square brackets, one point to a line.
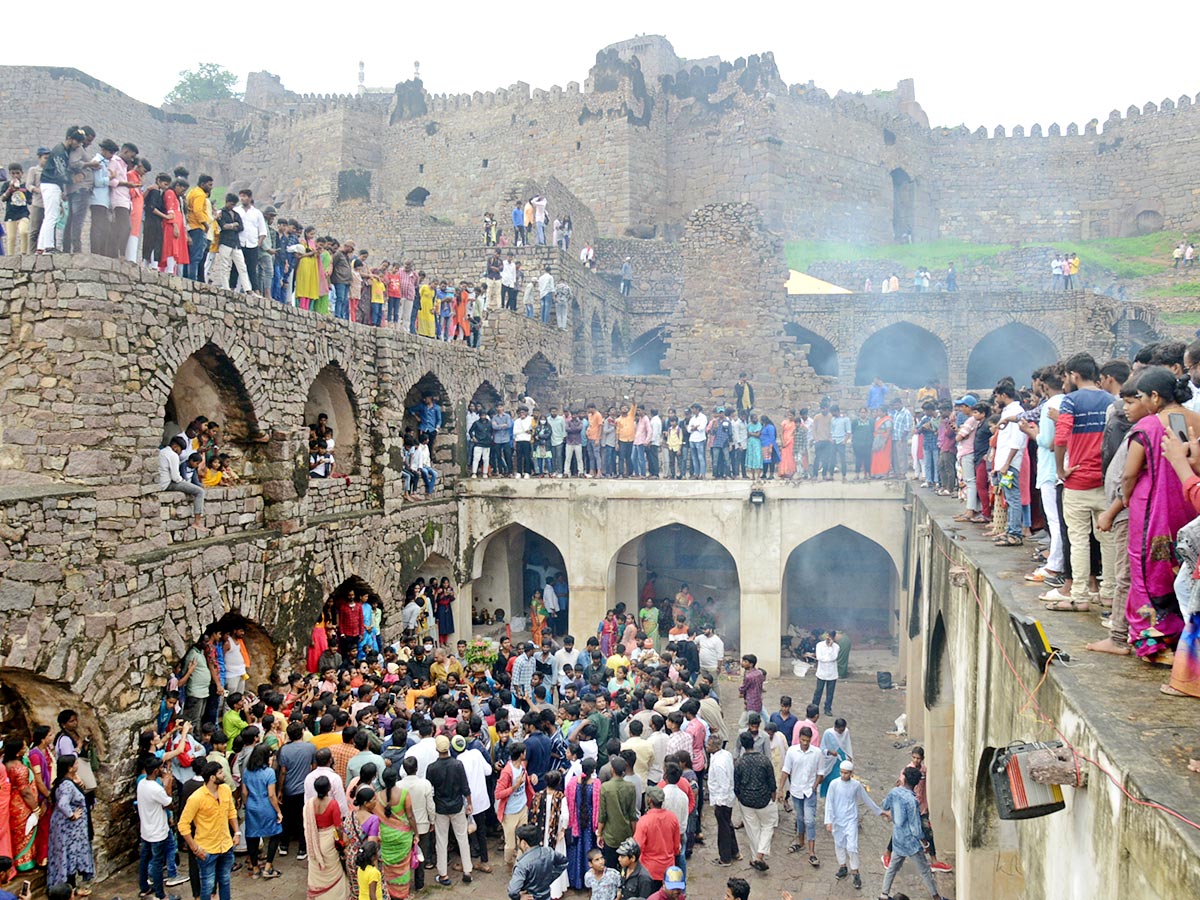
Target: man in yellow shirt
[626, 431]
[209, 826]
[443, 665]
[198, 221]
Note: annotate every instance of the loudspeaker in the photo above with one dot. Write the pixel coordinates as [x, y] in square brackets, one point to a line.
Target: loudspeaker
[1018, 796]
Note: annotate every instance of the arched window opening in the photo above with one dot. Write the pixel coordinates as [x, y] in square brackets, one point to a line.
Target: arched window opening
[486, 397]
[208, 384]
[822, 355]
[540, 380]
[416, 417]
[617, 363]
[331, 413]
[1014, 350]
[902, 354]
[904, 195]
[647, 353]
[599, 346]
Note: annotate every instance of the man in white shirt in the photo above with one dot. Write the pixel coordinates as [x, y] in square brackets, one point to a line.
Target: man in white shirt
[658, 742]
[153, 801]
[841, 818]
[545, 286]
[711, 650]
[421, 463]
[254, 232]
[827, 672]
[720, 795]
[423, 751]
[508, 283]
[567, 655]
[235, 663]
[323, 765]
[553, 607]
[539, 217]
[169, 478]
[802, 772]
[697, 427]
[1010, 445]
[654, 452]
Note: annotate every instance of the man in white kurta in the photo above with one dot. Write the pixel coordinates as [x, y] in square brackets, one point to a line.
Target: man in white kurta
[835, 739]
[841, 819]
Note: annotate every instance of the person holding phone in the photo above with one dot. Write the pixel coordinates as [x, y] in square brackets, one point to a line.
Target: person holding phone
[1157, 510]
[26, 889]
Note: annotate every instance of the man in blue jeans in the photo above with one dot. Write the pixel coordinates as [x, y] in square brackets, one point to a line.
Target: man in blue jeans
[209, 825]
[1010, 446]
[198, 220]
[802, 772]
[153, 803]
[697, 429]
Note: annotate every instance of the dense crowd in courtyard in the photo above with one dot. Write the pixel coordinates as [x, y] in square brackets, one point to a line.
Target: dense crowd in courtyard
[384, 766]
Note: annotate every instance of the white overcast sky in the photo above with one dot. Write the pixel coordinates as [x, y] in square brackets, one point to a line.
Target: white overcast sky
[979, 64]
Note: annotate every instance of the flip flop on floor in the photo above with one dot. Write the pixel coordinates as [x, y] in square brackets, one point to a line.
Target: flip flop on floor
[1069, 606]
[1009, 540]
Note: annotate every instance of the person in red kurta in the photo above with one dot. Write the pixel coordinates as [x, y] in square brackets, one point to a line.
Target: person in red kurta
[175, 236]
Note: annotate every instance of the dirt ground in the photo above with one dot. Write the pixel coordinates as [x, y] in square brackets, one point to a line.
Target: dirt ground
[870, 713]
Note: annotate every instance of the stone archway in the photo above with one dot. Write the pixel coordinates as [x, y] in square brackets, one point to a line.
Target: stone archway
[677, 555]
[540, 379]
[331, 393]
[822, 355]
[28, 699]
[259, 645]
[509, 565]
[208, 384]
[647, 353]
[843, 581]
[428, 384]
[902, 354]
[486, 396]
[1014, 350]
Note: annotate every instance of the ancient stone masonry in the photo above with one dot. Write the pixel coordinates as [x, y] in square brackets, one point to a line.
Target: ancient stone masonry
[648, 139]
[97, 354]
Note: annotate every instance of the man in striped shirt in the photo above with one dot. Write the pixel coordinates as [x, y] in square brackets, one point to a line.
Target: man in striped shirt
[1078, 438]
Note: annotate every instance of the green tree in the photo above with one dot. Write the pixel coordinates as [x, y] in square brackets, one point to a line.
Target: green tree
[208, 81]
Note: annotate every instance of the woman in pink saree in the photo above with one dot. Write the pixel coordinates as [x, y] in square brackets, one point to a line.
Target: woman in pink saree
[1157, 510]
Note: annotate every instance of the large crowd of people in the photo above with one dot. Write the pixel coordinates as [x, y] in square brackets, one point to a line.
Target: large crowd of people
[1099, 461]
[386, 765]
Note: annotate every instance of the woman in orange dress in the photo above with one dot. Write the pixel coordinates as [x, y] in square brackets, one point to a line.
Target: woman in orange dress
[175, 237]
[22, 804]
[462, 322]
[787, 443]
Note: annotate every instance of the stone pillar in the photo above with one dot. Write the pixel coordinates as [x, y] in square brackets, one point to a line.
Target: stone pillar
[587, 606]
[760, 618]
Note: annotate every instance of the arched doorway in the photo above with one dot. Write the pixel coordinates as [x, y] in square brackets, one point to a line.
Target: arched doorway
[904, 195]
[540, 380]
[433, 570]
[939, 731]
[678, 555]
[208, 384]
[1014, 350]
[331, 394]
[599, 346]
[822, 355]
[336, 599]
[902, 354]
[647, 353]
[259, 645]
[843, 581]
[515, 562]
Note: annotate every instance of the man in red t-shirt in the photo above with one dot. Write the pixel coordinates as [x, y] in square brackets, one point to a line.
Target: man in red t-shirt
[350, 627]
[1078, 439]
[657, 833]
[393, 284]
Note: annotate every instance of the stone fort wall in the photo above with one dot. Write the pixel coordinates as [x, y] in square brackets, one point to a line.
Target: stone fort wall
[641, 152]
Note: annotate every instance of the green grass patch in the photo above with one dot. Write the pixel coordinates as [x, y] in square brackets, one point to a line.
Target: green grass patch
[1180, 318]
[1178, 289]
[1132, 257]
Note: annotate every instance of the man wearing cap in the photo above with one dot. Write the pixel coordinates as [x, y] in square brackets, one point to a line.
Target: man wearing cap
[841, 819]
[672, 887]
[964, 437]
[659, 835]
[452, 805]
[538, 867]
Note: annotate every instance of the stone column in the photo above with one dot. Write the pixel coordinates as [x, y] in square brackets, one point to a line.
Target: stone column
[587, 606]
[760, 620]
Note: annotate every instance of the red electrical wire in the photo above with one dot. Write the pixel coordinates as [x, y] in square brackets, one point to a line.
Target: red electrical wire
[1032, 701]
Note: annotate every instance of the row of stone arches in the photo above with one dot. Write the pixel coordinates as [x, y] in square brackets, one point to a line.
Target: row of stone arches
[819, 575]
[909, 356]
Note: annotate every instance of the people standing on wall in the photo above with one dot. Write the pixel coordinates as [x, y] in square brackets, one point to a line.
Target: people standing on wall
[539, 217]
[252, 237]
[951, 279]
[626, 276]
[199, 222]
